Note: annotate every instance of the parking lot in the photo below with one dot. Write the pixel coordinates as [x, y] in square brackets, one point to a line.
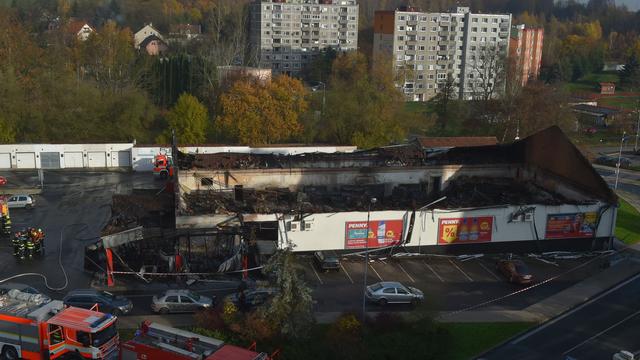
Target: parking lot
[449, 283]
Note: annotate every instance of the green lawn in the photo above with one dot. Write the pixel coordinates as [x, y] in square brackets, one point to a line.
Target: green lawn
[624, 102]
[471, 339]
[589, 83]
[628, 223]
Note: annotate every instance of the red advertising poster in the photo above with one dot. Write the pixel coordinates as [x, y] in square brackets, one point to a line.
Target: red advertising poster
[576, 225]
[465, 230]
[381, 233]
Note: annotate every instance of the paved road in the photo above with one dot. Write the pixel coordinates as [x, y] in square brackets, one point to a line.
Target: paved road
[595, 330]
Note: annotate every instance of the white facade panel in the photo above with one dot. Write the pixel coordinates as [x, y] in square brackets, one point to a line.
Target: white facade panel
[328, 231]
[73, 159]
[5, 161]
[26, 160]
[97, 159]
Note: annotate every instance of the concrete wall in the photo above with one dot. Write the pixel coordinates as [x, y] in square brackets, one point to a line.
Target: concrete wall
[327, 231]
[29, 156]
[293, 178]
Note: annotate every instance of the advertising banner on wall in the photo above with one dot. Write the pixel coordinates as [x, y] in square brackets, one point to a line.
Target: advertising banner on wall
[574, 225]
[381, 233]
[465, 230]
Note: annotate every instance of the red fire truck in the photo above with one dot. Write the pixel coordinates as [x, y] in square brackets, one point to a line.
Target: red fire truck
[34, 328]
[162, 166]
[155, 341]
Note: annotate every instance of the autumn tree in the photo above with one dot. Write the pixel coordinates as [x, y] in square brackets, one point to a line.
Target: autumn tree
[188, 118]
[256, 112]
[364, 108]
[109, 56]
[537, 107]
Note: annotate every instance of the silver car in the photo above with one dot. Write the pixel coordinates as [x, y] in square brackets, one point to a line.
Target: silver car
[392, 292]
[180, 301]
[21, 201]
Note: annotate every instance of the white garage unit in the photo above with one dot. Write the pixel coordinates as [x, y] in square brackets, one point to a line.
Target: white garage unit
[124, 158]
[5, 161]
[97, 159]
[73, 159]
[26, 160]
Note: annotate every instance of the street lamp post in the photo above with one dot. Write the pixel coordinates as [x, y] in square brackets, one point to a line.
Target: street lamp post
[366, 262]
[635, 147]
[624, 133]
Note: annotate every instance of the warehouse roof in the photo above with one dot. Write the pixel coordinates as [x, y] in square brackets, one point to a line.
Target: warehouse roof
[457, 141]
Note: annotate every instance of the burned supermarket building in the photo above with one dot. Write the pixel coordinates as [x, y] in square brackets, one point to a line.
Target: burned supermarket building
[536, 194]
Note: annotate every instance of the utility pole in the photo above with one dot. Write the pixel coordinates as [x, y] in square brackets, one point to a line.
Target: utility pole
[635, 147]
[366, 262]
[624, 133]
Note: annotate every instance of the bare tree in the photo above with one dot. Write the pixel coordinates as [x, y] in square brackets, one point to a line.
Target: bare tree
[488, 72]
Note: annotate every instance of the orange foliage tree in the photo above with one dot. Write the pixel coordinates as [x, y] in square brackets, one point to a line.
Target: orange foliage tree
[255, 112]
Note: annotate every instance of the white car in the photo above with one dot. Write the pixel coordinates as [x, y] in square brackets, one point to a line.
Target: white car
[21, 201]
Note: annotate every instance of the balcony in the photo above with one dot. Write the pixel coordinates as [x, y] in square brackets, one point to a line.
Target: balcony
[442, 62]
[503, 34]
[444, 33]
[443, 52]
[412, 22]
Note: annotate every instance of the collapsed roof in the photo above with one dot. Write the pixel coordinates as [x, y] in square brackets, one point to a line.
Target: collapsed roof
[548, 151]
[462, 192]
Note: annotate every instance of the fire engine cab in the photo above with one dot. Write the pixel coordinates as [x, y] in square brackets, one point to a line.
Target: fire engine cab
[162, 166]
[156, 341]
[34, 328]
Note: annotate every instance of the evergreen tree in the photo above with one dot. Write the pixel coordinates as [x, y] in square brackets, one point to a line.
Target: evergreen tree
[630, 76]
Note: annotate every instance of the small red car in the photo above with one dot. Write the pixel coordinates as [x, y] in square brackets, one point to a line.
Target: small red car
[3, 180]
[515, 271]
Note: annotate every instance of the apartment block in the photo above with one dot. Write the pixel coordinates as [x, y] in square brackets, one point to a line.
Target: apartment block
[525, 50]
[426, 48]
[289, 34]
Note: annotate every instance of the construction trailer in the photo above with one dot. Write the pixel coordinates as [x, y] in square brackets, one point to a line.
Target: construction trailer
[34, 328]
[156, 341]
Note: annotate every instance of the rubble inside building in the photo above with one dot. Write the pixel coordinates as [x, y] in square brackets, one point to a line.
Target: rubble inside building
[463, 192]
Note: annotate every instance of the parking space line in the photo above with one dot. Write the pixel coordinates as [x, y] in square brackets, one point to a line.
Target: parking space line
[433, 271]
[458, 267]
[489, 271]
[346, 273]
[405, 271]
[315, 272]
[374, 270]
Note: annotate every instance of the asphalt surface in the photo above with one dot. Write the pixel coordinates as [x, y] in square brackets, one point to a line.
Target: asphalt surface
[449, 284]
[71, 210]
[596, 330]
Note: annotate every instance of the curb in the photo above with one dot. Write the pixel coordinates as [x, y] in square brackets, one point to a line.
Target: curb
[602, 291]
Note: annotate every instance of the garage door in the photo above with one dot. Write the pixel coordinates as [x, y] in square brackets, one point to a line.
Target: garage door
[124, 158]
[50, 160]
[97, 159]
[5, 161]
[26, 160]
[73, 159]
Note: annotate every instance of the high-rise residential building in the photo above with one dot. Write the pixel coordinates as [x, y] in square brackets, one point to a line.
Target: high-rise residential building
[288, 34]
[428, 48]
[525, 50]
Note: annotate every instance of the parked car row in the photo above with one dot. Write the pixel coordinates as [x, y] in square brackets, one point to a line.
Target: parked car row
[613, 161]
